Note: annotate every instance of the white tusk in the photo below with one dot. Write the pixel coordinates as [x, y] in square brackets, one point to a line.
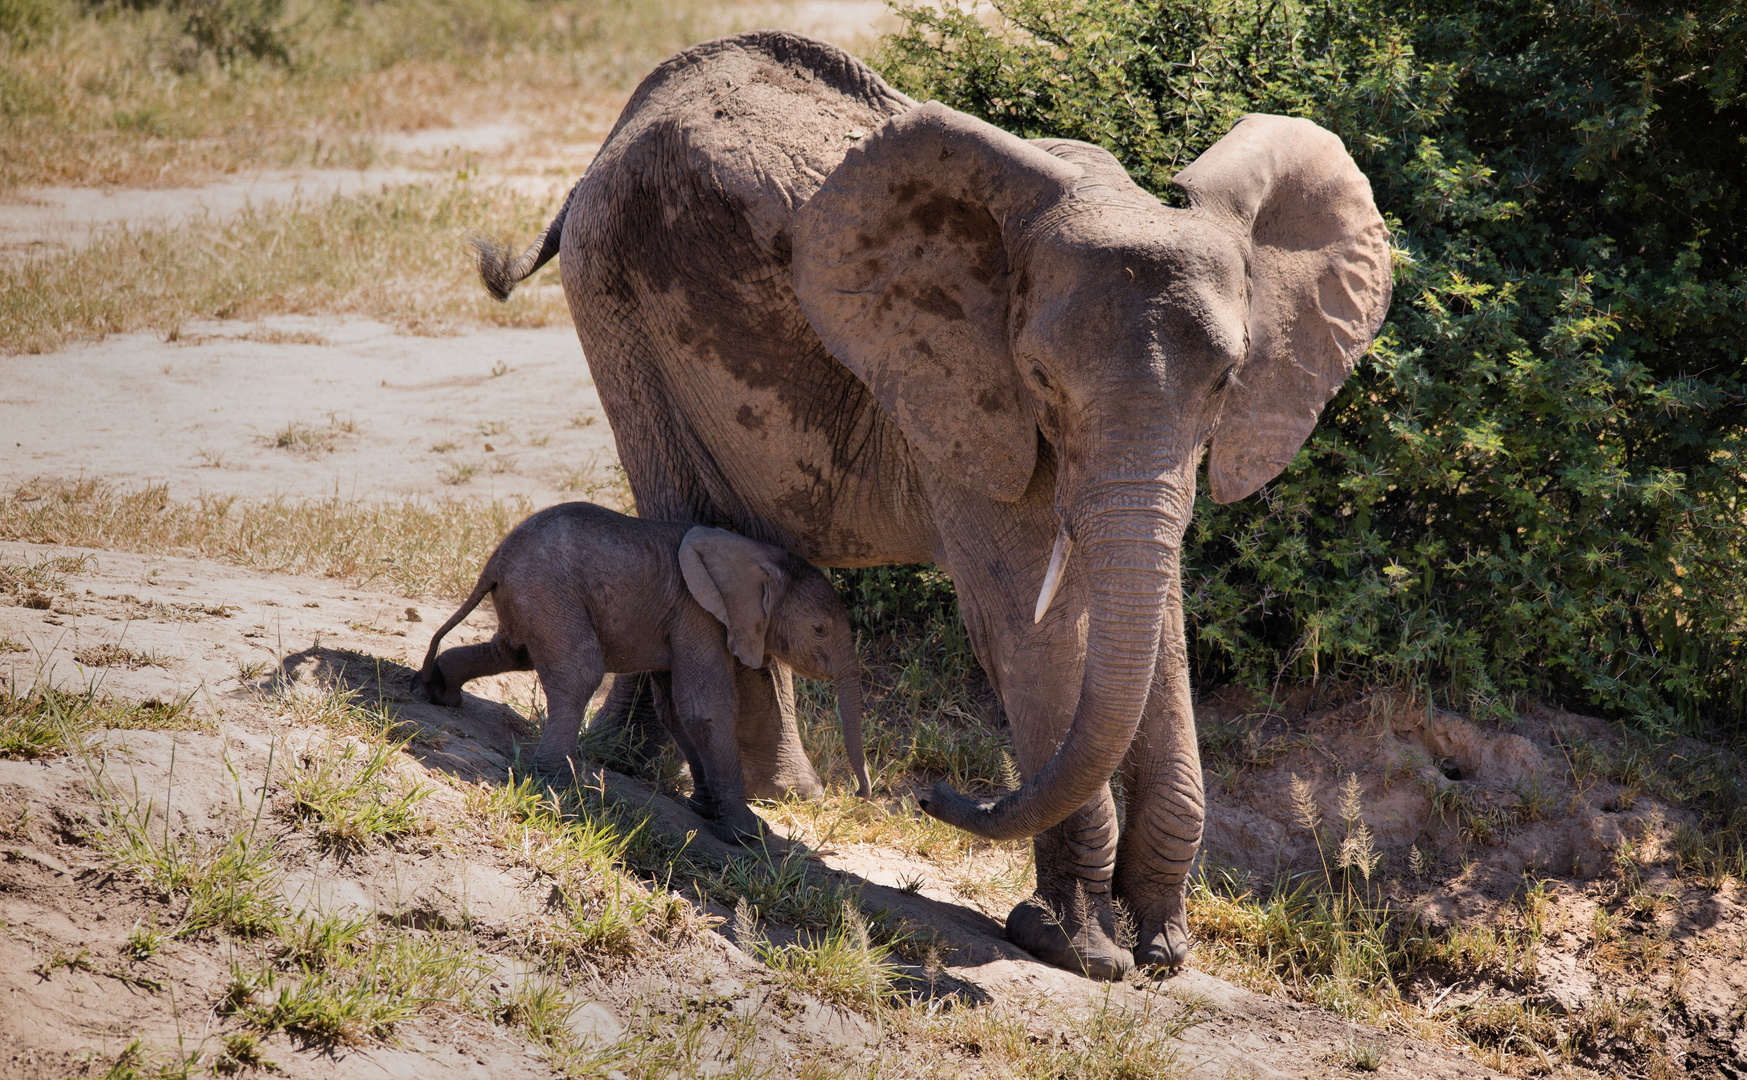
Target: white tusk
[1052, 578]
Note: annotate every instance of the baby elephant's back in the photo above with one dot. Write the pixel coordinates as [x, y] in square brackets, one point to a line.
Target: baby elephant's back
[579, 559]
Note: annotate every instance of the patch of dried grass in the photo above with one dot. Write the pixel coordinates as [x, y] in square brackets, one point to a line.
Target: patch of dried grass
[110, 94]
[112, 655]
[398, 254]
[430, 548]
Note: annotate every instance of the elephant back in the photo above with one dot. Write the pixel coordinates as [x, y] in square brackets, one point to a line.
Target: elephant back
[676, 258]
[756, 120]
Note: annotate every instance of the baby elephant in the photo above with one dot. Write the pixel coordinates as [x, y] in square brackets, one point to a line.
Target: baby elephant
[581, 591]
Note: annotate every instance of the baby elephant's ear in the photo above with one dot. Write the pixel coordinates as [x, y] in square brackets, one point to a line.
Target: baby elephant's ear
[736, 580]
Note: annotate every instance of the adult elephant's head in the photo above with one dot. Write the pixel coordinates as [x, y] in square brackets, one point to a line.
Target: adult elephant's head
[986, 287]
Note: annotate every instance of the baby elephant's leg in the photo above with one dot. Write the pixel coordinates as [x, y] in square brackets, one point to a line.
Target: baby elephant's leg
[703, 707]
[459, 666]
[570, 669]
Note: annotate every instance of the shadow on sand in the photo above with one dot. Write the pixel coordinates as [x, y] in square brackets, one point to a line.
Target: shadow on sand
[483, 741]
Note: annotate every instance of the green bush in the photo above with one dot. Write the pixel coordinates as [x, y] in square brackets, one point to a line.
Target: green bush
[1534, 483]
[24, 21]
[888, 599]
[232, 29]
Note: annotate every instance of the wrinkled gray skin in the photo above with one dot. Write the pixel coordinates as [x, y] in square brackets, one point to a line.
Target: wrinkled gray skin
[581, 591]
[870, 331]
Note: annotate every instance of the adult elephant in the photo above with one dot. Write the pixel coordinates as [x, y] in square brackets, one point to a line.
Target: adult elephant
[871, 331]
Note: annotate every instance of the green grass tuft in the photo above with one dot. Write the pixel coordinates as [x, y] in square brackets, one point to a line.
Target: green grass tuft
[346, 790]
[229, 884]
[842, 965]
[44, 721]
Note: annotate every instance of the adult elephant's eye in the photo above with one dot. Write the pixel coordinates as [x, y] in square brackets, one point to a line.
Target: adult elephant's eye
[1041, 376]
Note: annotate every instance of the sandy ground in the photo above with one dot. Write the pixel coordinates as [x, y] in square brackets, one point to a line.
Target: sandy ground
[203, 414]
[215, 636]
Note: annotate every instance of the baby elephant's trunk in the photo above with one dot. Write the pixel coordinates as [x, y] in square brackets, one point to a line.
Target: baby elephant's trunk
[849, 714]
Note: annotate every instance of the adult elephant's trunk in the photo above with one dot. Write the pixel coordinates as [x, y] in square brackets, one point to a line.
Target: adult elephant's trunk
[1127, 536]
[849, 715]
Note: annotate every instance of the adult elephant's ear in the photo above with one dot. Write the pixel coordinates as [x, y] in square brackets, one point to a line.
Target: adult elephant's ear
[1319, 268]
[901, 265]
[737, 580]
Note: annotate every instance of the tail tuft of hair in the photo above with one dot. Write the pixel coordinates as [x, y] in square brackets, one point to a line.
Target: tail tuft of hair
[494, 268]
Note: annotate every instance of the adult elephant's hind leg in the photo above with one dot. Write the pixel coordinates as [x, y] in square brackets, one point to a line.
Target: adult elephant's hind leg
[1165, 810]
[772, 759]
[627, 729]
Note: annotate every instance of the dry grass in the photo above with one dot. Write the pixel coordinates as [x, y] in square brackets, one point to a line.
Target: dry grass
[35, 585]
[399, 255]
[835, 819]
[928, 717]
[119, 94]
[1111, 1042]
[118, 656]
[420, 549]
[116, 98]
[310, 440]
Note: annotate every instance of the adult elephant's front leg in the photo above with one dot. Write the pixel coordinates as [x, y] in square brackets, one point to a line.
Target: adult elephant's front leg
[1165, 806]
[772, 759]
[1036, 668]
[1070, 921]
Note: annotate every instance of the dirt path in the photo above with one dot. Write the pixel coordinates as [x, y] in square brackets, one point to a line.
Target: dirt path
[313, 407]
[37, 219]
[176, 629]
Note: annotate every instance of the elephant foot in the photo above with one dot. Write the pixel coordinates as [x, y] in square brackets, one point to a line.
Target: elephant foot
[799, 780]
[434, 691]
[731, 822]
[1165, 945]
[562, 771]
[1081, 942]
[738, 825]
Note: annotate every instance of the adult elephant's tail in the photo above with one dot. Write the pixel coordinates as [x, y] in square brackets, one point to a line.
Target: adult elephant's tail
[501, 273]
